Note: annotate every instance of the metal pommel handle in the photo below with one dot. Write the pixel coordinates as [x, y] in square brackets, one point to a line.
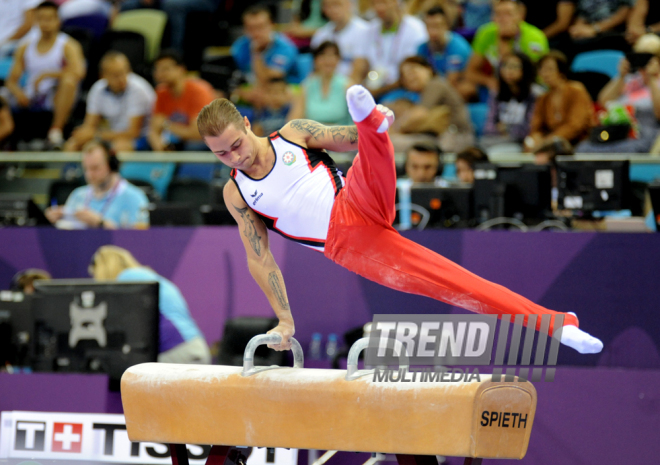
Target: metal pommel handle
[352, 371]
[273, 338]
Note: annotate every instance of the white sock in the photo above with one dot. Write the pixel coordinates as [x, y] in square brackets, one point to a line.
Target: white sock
[585, 343]
[360, 103]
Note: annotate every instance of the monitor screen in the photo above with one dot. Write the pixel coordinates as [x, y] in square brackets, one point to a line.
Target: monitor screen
[87, 326]
[440, 206]
[585, 186]
[20, 210]
[521, 191]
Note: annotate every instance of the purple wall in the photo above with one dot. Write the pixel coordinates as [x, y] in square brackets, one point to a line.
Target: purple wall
[609, 280]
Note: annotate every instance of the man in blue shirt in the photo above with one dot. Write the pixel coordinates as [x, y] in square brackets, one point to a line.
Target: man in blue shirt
[263, 54]
[107, 201]
[447, 51]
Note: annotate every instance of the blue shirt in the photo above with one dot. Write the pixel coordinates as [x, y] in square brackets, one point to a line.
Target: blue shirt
[280, 55]
[453, 59]
[125, 205]
[176, 323]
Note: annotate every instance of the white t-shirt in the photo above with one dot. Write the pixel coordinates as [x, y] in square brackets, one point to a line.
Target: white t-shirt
[118, 109]
[12, 16]
[385, 52]
[346, 39]
[75, 8]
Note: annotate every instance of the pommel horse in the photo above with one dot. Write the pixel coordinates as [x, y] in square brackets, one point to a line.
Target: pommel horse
[323, 409]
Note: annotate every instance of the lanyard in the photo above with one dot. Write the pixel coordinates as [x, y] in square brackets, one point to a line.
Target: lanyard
[108, 200]
[380, 46]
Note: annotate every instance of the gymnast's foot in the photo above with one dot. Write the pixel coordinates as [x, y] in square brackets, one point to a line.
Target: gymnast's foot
[585, 343]
[361, 104]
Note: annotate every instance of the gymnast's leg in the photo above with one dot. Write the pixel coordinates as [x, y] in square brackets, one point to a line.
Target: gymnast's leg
[362, 239]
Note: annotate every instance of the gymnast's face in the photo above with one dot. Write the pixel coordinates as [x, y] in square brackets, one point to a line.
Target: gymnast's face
[235, 147]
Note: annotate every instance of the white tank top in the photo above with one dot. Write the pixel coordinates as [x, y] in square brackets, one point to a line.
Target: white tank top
[295, 198]
[37, 64]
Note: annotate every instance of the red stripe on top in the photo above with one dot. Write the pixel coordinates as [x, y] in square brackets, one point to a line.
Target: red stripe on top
[327, 168]
[274, 135]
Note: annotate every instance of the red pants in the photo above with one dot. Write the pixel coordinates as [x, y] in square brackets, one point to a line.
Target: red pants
[361, 239]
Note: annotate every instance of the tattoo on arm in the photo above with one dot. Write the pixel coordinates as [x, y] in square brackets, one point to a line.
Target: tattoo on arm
[338, 134]
[278, 289]
[250, 230]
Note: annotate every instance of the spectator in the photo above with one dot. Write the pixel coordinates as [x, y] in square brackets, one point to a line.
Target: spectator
[121, 99]
[392, 37]
[423, 164]
[466, 161]
[323, 95]
[510, 109]
[427, 104]
[639, 90]
[344, 29]
[507, 33]
[566, 110]
[178, 101]
[177, 13]
[273, 115]
[308, 17]
[599, 25]
[644, 19]
[77, 8]
[23, 281]
[16, 20]
[6, 121]
[180, 340]
[54, 65]
[476, 13]
[262, 53]
[553, 17]
[107, 201]
[447, 51]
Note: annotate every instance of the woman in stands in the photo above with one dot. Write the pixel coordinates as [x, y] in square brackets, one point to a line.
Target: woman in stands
[181, 341]
[323, 94]
[566, 110]
[510, 109]
[641, 91]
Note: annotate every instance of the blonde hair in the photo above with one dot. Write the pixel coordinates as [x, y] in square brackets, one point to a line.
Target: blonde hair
[216, 116]
[109, 261]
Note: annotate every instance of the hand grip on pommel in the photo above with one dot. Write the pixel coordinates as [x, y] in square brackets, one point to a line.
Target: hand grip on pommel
[273, 338]
[352, 371]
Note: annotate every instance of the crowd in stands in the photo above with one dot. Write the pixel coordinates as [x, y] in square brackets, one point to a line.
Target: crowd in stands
[435, 63]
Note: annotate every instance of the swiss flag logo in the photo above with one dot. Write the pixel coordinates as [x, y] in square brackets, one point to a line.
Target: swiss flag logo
[67, 437]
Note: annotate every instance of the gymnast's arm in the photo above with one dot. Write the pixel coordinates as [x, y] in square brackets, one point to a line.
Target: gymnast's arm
[315, 135]
[261, 263]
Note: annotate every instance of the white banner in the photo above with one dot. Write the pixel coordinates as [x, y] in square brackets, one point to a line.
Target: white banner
[98, 437]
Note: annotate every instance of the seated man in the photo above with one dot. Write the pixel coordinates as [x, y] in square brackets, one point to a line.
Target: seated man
[644, 18]
[392, 37]
[507, 33]
[263, 54]
[178, 101]
[599, 25]
[54, 65]
[107, 201]
[553, 17]
[447, 51]
[16, 20]
[121, 99]
[344, 29]
[423, 163]
[466, 161]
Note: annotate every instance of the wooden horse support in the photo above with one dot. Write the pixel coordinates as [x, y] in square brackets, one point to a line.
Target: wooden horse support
[324, 410]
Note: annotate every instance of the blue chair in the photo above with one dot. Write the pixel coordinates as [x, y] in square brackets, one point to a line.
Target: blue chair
[158, 174]
[5, 67]
[478, 114]
[598, 61]
[204, 171]
[94, 23]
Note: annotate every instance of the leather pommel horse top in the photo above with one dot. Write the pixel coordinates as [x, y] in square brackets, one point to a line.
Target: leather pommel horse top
[319, 409]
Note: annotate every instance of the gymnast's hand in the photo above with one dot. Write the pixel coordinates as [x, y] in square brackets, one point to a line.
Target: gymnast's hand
[286, 330]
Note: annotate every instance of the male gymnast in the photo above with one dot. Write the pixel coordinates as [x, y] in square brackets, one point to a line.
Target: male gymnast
[287, 183]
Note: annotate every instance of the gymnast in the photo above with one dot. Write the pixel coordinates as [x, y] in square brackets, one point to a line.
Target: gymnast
[287, 183]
